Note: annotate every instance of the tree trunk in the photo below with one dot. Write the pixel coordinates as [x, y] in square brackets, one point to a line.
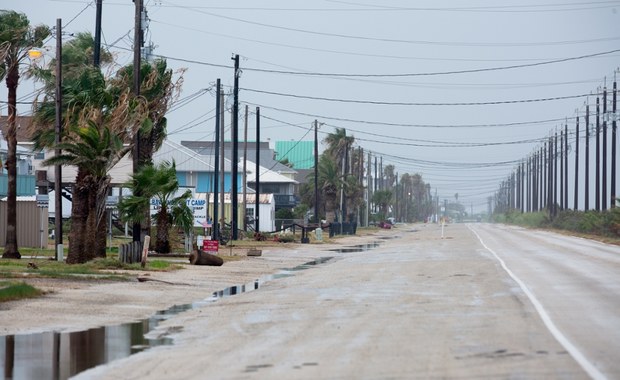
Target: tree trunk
[162, 244]
[101, 233]
[146, 158]
[204, 258]
[10, 246]
[78, 239]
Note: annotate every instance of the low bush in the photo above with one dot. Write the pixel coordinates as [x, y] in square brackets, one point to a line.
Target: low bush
[602, 223]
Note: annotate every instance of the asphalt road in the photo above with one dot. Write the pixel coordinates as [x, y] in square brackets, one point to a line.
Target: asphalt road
[574, 284]
[482, 301]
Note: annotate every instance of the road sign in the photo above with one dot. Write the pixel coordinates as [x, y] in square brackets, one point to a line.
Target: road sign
[210, 245]
[43, 200]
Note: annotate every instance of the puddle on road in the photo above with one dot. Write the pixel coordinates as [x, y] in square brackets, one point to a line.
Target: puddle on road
[60, 355]
[357, 248]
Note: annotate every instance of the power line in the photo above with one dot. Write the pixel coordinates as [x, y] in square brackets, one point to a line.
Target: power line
[410, 125]
[468, 71]
[345, 75]
[399, 41]
[375, 102]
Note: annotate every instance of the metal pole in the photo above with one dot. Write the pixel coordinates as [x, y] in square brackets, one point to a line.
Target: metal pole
[57, 152]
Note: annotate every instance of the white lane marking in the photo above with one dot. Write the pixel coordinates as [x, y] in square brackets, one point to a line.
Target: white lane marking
[587, 366]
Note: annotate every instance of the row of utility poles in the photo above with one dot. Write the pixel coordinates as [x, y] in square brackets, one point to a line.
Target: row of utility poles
[542, 180]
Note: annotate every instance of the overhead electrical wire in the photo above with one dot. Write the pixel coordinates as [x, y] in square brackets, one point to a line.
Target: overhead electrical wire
[378, 102]
[489, 9]
[399, 41]
[411, 125]
[386, 75]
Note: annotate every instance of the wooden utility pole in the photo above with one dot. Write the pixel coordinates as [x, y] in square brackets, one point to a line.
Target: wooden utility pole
[235, 153]
[587, 167]
[216, 187]
[57, 152]
[137, 44]
[257, 169]
[222, 162]
[97, 49]
[561, 157]
[597, 175]
[613, 147]
[245, 168]
[576, 195]
[316, 172]
[565, 206]
[604, 159]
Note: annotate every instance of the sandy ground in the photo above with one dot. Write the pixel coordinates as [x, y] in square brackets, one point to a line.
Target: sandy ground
[78, 305]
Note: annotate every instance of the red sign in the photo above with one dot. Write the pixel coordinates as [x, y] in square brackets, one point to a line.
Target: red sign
[210, 245]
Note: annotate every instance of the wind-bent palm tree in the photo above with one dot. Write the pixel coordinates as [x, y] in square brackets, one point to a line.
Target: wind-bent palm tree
[94, 149]
[17, 37]
[98, 123]
[161, 184]
[158, 89]
[92, 101]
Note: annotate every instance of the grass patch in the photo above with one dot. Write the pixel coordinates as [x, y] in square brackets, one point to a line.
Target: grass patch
[98, 269]
[11, 291]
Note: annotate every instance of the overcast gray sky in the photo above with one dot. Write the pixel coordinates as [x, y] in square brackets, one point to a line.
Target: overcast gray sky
[411, 99]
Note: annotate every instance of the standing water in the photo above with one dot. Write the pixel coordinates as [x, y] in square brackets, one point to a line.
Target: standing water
[60, 355]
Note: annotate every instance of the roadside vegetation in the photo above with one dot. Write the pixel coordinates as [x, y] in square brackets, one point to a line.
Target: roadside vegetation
[602, 225]
[10, 291]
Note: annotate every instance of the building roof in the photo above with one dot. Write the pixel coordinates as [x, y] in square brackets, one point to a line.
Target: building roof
[267, 156]
[23, 122]
[187, 160]
[266, 175]
[4, 147]
[298, 153]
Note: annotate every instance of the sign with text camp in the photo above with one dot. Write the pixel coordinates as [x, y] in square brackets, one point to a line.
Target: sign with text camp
[198, 207]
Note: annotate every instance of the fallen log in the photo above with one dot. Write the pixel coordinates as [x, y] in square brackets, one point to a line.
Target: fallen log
[204, 258]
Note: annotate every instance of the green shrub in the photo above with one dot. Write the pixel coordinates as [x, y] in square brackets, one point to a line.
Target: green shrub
[602, 223]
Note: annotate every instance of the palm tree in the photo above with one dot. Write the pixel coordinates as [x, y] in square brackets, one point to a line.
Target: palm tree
[97, 127]
[158, 89]
[94, 150]
[338, 143]
[383, 198]
[390, 176]
[160, 184]
[17, 37]
[329, 183]
[92, 101]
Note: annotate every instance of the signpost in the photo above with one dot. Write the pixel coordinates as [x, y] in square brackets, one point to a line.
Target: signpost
[43, 202]
[210, 246]
[111, 203]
